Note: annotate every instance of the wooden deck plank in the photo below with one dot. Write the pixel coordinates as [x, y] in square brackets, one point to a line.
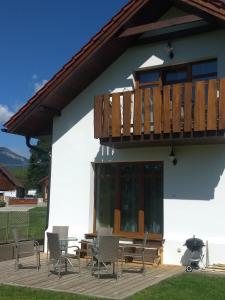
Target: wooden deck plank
[85, 284]
[136, 282]
[126, 283]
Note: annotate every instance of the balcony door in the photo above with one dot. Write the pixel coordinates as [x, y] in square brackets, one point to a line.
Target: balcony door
[129, 197]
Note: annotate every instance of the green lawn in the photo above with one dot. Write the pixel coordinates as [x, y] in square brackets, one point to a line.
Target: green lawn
[37, 222]
[188, 286]
[20, 293]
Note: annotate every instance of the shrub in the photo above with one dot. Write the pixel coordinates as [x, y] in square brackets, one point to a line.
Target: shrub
[2, 203]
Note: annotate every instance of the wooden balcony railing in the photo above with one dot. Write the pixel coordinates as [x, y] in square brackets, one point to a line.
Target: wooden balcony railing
[179, 108]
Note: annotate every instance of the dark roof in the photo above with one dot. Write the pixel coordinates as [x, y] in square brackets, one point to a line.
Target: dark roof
[43, 179]
[16, 182]
[35, 117]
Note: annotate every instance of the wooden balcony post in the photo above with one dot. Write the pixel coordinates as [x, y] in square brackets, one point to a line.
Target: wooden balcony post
[116, 115]
[176, 107]
[147, 111]
[137, 112]
[199, 108]
[166, 110]
[106, 116]
[157, 110]
[212, 105]
[126, 113]
[222, 104]
[188, 107]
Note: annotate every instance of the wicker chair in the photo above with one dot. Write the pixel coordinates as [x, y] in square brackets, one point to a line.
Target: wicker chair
[106, 254]
[104, 231]
[59, 258]
[63, 235]
[134, 252]
[24, 249]
[91, 246]
[61, 230]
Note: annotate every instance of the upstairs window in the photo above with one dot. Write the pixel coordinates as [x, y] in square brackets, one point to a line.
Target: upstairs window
[203, 70]
[147, 77]
[174, 76]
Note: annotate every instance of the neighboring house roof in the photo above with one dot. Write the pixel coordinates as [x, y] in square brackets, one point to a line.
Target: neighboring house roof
[5, 173]
[44, 180]
[35, 117]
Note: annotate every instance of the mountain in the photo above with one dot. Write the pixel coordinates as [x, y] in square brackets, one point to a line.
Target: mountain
[10, 159]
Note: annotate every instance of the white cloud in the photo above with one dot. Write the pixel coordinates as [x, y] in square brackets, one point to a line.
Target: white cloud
[5, 113]
[34, 77]
[39, 84]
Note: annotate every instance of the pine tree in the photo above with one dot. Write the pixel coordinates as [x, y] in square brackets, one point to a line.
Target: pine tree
[38, 164]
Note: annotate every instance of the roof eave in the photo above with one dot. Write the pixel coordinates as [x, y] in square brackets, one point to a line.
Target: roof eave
[50, 94]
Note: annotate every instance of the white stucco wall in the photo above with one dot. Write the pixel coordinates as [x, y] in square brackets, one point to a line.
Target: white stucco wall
[194, 189]
[9, 193]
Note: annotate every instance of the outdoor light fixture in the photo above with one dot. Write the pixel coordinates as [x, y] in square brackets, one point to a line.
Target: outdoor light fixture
[172, 156]
[170, 50]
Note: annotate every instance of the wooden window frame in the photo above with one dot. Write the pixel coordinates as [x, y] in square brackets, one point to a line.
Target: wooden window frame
[117, 208]
[162, 71]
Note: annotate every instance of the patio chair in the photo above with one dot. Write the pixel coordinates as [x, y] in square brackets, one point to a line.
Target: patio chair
[134, 252]
[91, 246]
[59, 258]
[63, 235]
[24, 249]
[106, 254]
[104, 231]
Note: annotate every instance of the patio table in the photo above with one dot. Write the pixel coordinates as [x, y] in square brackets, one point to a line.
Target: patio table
[64, 242]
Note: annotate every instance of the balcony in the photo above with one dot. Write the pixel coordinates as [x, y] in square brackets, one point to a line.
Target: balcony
[192, 113]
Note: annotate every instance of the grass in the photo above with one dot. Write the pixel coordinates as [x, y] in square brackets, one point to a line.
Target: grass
[37, 222]
[20, 293]
[20, 173]
[188, 286]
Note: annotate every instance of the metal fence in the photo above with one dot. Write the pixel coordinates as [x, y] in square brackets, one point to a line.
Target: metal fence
[29, 224]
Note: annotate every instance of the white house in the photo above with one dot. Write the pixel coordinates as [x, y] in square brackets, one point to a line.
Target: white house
[148, 86]
[10, 186]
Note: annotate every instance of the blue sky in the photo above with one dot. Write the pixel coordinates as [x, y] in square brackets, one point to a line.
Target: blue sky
[37, 39]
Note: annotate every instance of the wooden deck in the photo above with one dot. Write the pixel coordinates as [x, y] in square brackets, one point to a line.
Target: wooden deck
[105, 287]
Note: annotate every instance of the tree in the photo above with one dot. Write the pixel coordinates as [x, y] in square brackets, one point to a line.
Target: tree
[20, 173]
[38, 164]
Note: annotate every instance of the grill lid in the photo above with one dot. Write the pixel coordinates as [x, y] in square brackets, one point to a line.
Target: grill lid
[194, 244]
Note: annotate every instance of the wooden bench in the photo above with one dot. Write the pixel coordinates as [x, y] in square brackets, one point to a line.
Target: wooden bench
[154, 246]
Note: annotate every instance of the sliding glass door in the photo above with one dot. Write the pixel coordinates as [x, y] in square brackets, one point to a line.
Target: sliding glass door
[129, 197]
